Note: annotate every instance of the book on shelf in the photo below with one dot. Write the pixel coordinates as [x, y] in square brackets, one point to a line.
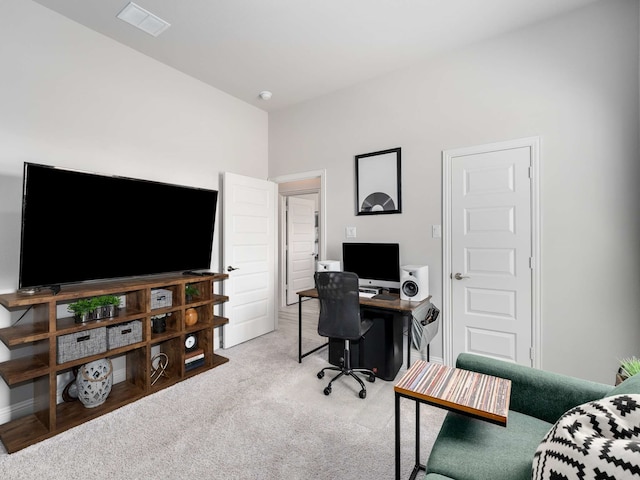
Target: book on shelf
[190, 357]
[194, 364]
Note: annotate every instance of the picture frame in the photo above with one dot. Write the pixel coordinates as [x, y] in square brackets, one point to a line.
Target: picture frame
[378, 182]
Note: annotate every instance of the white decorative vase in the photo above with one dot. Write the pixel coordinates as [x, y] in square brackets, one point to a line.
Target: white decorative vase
[94, 382]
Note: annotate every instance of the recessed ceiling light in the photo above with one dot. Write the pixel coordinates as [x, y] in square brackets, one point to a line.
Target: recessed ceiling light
[142, 19]
[265, 95]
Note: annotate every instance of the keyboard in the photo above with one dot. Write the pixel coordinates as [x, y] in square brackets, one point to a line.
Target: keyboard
[366, 294]
[383, 296]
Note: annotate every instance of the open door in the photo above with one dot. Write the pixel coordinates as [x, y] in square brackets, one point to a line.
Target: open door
[301, 251]
[249, 252]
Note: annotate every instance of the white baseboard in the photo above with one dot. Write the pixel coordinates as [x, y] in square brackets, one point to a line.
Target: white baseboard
[16, 410]
[432, 359]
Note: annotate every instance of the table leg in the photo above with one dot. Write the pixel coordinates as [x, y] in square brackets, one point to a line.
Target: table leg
[417, 464]
[299, 329]
[397, 436]
[410, 340]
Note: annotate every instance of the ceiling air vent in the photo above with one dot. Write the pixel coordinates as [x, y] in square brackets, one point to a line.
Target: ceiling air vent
[142, 19]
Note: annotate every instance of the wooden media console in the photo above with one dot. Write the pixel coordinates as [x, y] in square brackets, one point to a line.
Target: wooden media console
[34, 342]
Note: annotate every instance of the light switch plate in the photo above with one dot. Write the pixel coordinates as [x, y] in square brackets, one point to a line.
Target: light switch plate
[350, 232]
[436, 231]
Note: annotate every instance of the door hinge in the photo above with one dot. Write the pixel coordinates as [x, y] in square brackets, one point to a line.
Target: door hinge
[531, 354]
[531, 172]
[532, 263]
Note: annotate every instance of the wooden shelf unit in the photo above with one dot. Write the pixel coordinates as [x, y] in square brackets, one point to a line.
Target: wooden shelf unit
[41, 330]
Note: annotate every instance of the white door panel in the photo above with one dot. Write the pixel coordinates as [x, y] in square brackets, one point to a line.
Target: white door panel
[483, 220]
[491, 246]
[249, 247]
[497, 344]
[490, 261]
[499, 304]
[301, 246]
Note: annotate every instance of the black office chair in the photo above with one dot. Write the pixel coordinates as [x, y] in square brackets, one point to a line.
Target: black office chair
[340, 318]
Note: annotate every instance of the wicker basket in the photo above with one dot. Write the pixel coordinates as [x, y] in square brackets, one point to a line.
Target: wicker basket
[161, 298]
[124, 334]
[81, 344]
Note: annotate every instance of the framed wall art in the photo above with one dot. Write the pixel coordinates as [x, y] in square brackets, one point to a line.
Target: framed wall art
[378, 183]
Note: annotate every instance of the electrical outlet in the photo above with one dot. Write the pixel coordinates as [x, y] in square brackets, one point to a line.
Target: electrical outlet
[350, 232]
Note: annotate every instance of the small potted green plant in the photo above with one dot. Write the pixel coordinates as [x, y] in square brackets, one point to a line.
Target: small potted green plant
[107, 305]
[190, 291]
[81, 310]
[629, 367]
[95, 308]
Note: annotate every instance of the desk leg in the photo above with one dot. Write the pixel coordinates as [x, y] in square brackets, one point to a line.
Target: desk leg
[397, 436]
[300, 354]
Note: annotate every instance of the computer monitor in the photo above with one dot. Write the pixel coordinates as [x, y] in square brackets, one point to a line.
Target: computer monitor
[376, 264]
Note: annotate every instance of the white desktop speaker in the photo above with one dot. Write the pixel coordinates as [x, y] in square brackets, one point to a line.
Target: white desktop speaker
[414, 282]
[328, 266]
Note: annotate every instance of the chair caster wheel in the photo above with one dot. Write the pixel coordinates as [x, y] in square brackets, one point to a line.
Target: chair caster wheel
[372, 378]
[362, 394]
[320, 374]
[327, 390]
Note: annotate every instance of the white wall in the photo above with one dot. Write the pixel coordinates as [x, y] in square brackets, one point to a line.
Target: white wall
[573, 81]
[74, 98]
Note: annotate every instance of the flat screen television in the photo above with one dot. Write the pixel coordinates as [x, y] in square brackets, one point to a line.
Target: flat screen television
[79, 226]
[376, 264]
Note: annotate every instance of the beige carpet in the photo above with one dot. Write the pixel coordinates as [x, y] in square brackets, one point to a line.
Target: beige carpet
[260, 416]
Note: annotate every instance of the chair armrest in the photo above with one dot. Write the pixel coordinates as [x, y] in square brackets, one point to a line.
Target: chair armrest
[538, 393]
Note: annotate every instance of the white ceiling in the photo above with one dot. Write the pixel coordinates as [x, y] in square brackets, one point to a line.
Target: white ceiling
[302, 49]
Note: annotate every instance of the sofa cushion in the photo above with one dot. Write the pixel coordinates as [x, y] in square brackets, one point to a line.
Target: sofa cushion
[600, 439]
[472, 449]
[630, 385]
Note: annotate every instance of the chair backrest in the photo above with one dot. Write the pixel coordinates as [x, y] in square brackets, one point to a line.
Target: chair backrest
[339, 305]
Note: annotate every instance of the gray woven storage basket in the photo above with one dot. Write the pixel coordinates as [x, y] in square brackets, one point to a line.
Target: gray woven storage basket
[161, 298]
[124, 334]
[81, 344]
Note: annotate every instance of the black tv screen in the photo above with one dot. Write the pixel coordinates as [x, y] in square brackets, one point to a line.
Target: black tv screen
[79, 226]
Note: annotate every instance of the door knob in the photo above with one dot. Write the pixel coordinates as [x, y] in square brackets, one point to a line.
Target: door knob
[459, 276]
[231, 269]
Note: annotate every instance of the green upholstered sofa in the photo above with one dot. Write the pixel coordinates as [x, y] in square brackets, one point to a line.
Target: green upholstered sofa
[471, 449]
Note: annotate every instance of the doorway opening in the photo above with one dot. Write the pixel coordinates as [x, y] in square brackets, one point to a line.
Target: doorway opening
[304, 186]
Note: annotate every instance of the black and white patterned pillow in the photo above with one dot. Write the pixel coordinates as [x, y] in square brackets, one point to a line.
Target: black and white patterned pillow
[599, 440]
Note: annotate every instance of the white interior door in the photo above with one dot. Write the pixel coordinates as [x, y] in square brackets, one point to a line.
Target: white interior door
[301, 254]
[249, 256]
[490, 233]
